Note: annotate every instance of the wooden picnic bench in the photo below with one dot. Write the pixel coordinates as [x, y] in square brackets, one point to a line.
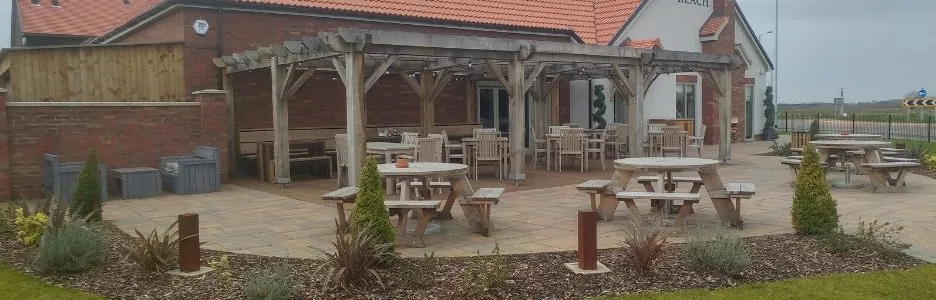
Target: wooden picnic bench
[596, 188]
[687, 198]
[341, 196]
[426, 210]
[477, 209]
[899, 159]
[881, 177]
[737, 191]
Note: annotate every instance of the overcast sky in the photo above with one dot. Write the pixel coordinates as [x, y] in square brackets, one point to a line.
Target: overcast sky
[6, 9]
[874, 49]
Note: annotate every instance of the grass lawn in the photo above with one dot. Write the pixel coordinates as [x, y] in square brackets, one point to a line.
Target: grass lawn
[916, 283]
[16, 285]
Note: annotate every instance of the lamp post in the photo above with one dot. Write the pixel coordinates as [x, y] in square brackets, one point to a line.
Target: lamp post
[762, 34]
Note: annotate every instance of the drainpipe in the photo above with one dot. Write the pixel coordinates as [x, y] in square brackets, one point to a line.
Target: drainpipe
[590, 108]
[219, 37]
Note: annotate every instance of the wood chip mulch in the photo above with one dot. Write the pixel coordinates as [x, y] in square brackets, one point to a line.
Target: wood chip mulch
[531, 276]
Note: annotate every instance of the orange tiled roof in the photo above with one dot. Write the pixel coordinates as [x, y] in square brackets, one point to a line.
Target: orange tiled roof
[610, 16]
[713, 25]
[78, 17]
[644, 44]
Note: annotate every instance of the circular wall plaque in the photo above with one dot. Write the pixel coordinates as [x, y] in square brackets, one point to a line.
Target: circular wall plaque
[201, 27]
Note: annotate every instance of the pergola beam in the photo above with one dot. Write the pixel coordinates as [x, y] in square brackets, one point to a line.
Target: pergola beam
[379, 71]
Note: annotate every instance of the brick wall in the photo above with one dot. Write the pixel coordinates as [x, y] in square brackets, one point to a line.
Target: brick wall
[4, 149]
[124, 136]
[725, 44]
[169, 28]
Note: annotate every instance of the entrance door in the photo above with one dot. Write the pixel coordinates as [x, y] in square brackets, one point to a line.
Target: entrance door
[749, 111]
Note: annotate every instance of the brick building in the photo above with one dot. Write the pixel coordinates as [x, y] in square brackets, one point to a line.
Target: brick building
[234, 26]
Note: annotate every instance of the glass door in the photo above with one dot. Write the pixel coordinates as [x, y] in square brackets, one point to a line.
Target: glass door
[749, 112]
[494, 108]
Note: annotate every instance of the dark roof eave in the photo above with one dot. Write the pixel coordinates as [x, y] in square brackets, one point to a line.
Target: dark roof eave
[214, 4]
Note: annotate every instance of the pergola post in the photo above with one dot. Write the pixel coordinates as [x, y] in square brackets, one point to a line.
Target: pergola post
[280, 122]
[638, 125]
[426, 103]
[724, 114]
[354, 94]
[517, 119]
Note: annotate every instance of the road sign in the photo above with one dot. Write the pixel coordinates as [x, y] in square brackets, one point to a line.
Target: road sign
[922, 93]
[920, 103]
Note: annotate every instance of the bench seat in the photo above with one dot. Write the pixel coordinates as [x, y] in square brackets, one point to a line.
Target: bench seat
[426, 210]
[651, 178]
[899, 159]
[477, 209]
[684, 209]
[881, 177]
[341, 196]
[738, 191]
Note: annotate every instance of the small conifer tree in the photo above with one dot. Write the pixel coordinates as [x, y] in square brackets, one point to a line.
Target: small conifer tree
[814, 211]
[369, 209]
[86, 202]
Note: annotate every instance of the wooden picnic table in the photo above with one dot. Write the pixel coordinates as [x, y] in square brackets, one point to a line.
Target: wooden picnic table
[850, 136]
[627, 168]
[872, 150]
[457, 174]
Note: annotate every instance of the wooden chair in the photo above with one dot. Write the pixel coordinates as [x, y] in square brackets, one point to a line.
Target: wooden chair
[799, 141]
[673, 139]
[611, 138]
[409, 138]
[572, 125]
[555, 129]
[596, 145]
[448, 147]
[488, 150]
[651, 145]
[428, 150]
[341, 152]
[622, 135]
[697, 141]
[571, 143]
[537, 147]
[476, 131]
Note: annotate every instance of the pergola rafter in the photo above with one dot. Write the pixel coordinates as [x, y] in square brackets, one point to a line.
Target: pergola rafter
[520, 66]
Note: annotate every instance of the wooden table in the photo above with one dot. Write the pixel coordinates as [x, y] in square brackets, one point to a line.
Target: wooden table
[872, 150]
[850, 136]
[457, 174]
[627, 168]
[388, 150]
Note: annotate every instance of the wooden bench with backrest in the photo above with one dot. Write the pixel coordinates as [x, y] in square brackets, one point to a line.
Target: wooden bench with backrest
[341, 196]
[737, 191]
[477, 209]
[881, 177]
[600, 189]
[426, 209]
[687, 198]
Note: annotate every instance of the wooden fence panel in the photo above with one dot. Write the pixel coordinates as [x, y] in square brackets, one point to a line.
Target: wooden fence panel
[112, 73]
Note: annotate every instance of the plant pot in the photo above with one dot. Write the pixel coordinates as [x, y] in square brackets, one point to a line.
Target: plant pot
[402, 162]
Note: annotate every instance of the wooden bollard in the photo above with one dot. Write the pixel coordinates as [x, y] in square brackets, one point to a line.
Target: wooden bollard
[189, 252]
[587, 240]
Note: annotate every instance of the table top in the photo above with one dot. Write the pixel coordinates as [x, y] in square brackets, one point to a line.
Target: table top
[850, 136]
[423, 169]
[664, 163]
[385, 146]
[473, 140]
[858, 144]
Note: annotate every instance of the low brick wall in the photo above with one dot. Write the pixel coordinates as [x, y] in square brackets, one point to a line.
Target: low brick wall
[124, 135]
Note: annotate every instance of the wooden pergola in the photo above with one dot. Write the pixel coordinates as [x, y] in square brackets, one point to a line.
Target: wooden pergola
[361, 57]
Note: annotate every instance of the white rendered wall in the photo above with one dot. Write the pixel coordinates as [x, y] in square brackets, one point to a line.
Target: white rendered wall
[578, 101]
[756, 69]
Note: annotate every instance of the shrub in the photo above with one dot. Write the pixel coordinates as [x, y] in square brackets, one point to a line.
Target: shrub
[814, 211]
[369, 210]
[874, 236]
[357, 254]
[87, 199]
[30, 227]
[222, 269]
[643, 245]
[271, 284]
[73, 248]
[8, 219]
[720, 251]
[813, 130]
[784, 150]
[929, 161]
[155, 253]
[53, 208]
[489, 273]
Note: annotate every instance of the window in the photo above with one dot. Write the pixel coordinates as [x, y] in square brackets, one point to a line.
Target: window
[620, 109]
[685, 101]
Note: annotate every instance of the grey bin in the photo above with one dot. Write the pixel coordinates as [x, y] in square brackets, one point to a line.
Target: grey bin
[192, 174]
[61, 179]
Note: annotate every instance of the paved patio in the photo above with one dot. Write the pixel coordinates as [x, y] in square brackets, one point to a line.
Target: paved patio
[244, 220]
